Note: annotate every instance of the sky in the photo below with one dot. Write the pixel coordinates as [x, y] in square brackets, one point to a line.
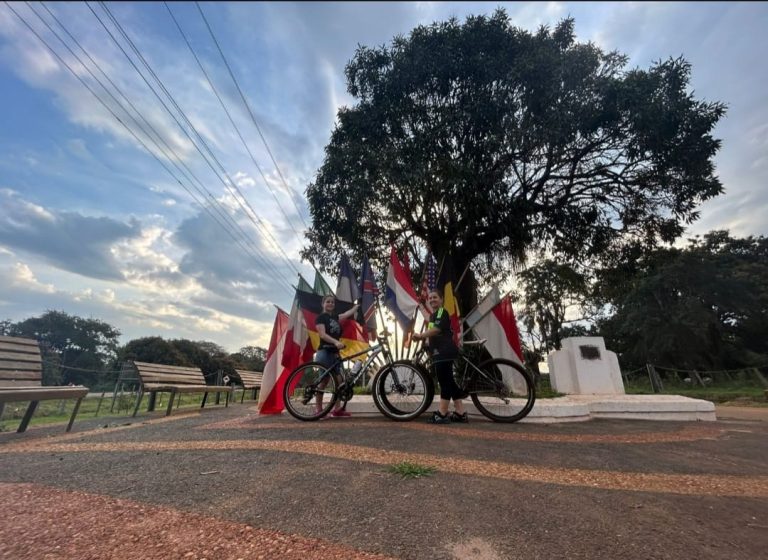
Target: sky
[95, 224]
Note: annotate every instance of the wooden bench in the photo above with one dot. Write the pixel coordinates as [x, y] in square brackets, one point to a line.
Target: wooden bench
[249, 381]
[159, 378]
[21, 376]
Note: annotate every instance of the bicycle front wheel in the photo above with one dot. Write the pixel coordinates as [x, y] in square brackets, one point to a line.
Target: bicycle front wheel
[310, 391]
[504, 391]
[402, 390]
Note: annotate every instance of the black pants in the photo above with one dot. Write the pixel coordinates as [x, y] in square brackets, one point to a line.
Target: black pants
[444, 372]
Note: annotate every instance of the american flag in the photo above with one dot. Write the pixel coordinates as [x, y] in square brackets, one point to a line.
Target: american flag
[429, 277]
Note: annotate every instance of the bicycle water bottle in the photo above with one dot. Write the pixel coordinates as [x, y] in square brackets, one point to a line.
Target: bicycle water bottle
[356, 368]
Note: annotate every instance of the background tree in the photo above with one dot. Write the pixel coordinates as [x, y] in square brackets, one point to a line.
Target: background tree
[549, 291]
[701, 307]
[250, 357]
[208, 356]
[491, 142]
[68, 341]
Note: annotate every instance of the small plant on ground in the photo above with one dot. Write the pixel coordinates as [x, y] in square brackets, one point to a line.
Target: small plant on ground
[411, 470]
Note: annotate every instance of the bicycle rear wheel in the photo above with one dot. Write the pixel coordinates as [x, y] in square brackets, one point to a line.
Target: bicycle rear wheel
[504, 392]
[402, 390]
[310, 392]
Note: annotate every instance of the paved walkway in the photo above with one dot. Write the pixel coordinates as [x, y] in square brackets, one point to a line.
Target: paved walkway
[224, 483]
[756, 413]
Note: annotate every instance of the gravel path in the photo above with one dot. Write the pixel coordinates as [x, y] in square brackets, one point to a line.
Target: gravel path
[226, 483]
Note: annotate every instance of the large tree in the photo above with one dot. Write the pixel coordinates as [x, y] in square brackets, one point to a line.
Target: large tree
[491, 142]
[74, 349]
[704, 306]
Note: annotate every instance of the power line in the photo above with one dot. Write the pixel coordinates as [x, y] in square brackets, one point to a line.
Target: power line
[109, 109]
[231, 120]
[184, 117]
[250, 112]
[216, 207]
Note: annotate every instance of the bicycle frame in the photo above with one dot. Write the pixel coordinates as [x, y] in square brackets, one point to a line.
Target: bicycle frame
[374, 351]
[465, 367]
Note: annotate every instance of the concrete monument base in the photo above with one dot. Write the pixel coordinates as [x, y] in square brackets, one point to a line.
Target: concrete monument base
[580, 408]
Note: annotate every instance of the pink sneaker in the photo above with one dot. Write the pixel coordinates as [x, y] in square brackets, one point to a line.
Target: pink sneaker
[340, 413]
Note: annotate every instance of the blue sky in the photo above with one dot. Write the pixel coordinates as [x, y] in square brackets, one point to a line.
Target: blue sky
[91, 223]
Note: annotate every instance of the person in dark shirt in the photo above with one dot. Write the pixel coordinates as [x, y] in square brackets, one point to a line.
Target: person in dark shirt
[328, 325]
[440, 339]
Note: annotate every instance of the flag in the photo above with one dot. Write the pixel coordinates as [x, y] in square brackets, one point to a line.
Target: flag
[399, 295]
[271, 393]
[491, 300]
[347, 288]
[406, 260]
[298, 348]
[502, 338]
[369, 293]
[311, 305]
[499, 329]
[446, 283]
[321, 286]
[428, 278]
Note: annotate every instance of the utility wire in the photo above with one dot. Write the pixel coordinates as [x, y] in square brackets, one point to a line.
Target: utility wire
[185, 118]
[225, 216]
[109, 109]
[250, 112]
[60, 366]
[181, 112]
[229, 116]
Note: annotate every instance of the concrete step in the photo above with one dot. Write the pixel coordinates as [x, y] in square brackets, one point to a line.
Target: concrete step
[580, 408]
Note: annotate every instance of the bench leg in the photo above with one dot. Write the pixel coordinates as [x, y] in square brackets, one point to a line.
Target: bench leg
[2, 407]
[138, 401]
[242, 397]
[28, 416]
[170, 403]
[151, 403]
[74, 413]
[205, 398]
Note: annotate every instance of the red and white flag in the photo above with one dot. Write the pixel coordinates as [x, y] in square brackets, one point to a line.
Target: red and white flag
[499, 328]
[270, 395]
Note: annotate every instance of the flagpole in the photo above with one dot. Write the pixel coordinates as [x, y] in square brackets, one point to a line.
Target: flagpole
[383, 323]
[412, 324]
[456, 289]
[484, 315]
[501, 297]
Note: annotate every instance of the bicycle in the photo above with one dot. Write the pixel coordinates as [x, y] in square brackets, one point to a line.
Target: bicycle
[500, 389]
[310, 383]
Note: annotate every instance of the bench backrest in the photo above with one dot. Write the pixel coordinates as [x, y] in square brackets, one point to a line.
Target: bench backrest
[171, 375]
[249, 378]
[20, 363]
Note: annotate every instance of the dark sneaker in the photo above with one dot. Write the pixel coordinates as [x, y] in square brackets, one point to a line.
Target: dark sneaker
[460, 418]
[438, 418]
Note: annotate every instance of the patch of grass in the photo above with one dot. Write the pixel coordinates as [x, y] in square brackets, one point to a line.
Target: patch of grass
[544, 389]
[411, 470]
[50, 412]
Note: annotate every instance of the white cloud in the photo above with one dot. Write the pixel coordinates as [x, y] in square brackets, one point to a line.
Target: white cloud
[23, 276]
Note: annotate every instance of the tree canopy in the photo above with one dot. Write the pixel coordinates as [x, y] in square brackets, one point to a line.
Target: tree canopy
[69, 345]
[704, 306]
[491, 143]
